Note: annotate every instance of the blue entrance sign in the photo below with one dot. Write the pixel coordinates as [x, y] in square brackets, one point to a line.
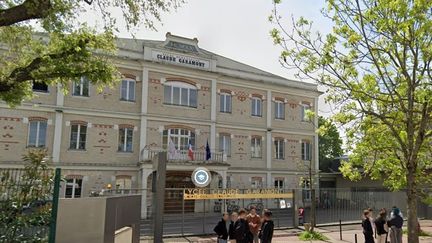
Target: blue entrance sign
[201, 177]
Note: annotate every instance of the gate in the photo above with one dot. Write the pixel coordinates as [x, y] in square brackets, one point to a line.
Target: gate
[199, 210]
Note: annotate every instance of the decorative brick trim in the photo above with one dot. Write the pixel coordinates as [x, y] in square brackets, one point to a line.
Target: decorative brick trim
[154, 81]
[129, 76]
[74, 177]
[293, 141]
[78, 122]
[123, 177]
[102, 126]
[126, 126]
[180, 79]
[257, 96]
[179, 127]
[224, 134]
[256, 136]
[37, 118]
[7, 118]
[226, 91]
[278, 138]
[279, 99]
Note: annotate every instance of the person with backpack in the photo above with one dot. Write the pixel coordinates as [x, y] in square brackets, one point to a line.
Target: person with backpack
[267, 228]
[395, 224]
[241, 229]
[381, 226]
[222, 228]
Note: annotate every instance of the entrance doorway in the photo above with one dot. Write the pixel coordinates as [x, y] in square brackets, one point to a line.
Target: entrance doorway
[175, 182]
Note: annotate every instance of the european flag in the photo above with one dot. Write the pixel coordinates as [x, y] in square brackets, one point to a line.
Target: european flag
[208, 153]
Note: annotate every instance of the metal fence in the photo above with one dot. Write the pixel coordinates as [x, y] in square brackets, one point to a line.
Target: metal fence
[25, 204]
[198, 217]
[347, 204]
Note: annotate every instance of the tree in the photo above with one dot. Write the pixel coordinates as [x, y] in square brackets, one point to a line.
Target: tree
[329, 143]
[21, 220]
[68, 48]
[375, 63]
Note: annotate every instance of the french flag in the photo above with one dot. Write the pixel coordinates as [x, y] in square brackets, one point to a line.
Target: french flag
[190, 152]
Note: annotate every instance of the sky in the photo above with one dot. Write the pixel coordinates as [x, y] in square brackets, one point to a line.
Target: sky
[237, 29]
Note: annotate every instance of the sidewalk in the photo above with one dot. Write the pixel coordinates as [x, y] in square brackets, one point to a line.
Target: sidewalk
[291, 235]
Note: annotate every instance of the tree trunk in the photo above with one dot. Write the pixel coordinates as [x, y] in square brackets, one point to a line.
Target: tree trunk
[413, 234]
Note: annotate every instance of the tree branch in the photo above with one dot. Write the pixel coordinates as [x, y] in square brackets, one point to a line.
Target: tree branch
[30, 9]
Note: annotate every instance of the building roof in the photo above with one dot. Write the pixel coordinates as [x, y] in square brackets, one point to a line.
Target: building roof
[135, 48]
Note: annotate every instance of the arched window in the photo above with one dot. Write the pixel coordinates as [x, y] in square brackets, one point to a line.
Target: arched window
[180, 93]
[180, 137]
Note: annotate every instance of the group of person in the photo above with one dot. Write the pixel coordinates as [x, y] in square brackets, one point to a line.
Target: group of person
[384, 226]
[245, 227]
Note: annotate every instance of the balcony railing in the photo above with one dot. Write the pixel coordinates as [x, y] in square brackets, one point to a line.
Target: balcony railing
[183, 156]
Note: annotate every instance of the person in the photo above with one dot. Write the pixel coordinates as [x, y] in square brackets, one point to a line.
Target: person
[380, 224]
[241, 232]
[266, 232]
[395, 224]
[254, 221]
[367, 226]
[234, 218]
[222, 228]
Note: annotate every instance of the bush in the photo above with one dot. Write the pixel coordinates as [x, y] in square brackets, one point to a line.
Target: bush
[421, 233]
[312, 235]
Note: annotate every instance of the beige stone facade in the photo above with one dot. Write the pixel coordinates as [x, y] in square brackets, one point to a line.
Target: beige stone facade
[151, 109]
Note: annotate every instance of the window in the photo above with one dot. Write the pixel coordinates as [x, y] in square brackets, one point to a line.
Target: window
[78, 137]
[123, 182]
[81, 87]
[37, 134]
[256, 106]
[279, 149]
[225, 144]
[256, 182]
[306, 192]
[128, 90]
[256, 147]
[304, 111]
[73, 188]
[182, 94]
[279, 183]
[40, 87]
[180, 137]
[279, 110]
[125, 139]
[306, 151]
[225, 102]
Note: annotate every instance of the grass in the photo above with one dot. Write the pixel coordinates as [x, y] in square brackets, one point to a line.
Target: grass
[421, 233]
[312, 235]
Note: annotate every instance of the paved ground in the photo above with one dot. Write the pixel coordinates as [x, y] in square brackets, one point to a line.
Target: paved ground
[332, 232]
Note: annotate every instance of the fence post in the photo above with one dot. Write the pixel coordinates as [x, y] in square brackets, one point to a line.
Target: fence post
[183, 213]
[159, 197]
[340, 229]
[55, 200]
[295, 209]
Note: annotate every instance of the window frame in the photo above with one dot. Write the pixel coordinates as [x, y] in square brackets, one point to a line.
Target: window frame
[181, 86]
[82, 81]
[225, 141]
[78, 137]
[223, 97]
[122, 145]
[254, 147]
[303, 112]
[306, 151]
[277, 183]
[128, 97]
[281, 113]
[74, 183]
[279, 144]
[191, 138]
[40, 90]
[37, 138]
[254, 106]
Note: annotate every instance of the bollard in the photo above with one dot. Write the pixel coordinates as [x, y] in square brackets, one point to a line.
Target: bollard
[355, 238]
[340, 229]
